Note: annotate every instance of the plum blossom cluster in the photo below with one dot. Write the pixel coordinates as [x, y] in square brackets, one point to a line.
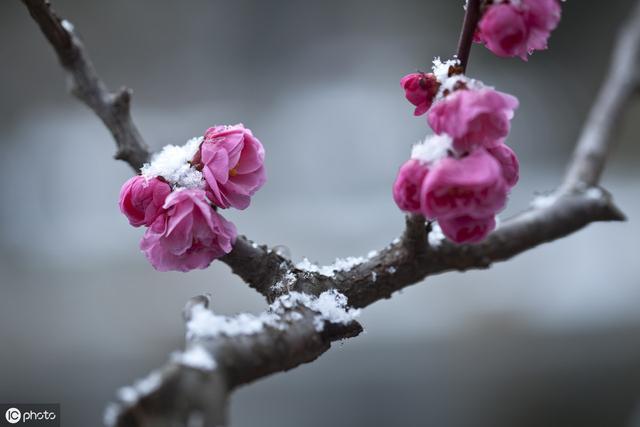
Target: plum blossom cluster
[511, 28]
[460, 176]
[177, 196]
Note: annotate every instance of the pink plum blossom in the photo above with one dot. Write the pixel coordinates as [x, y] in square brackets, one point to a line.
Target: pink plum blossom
[141, 199]
[542, 17]
[190, 234]
[508, 162]
[518, 28]
[406, 189]
[470, 186]
[467, 229]
[232, 162]
[473, 118]
[419, 89]
[503, 30]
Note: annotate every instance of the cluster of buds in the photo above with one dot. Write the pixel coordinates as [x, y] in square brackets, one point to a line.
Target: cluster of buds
[178, 194]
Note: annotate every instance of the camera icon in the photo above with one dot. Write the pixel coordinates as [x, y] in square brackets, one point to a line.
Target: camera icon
[13, 415]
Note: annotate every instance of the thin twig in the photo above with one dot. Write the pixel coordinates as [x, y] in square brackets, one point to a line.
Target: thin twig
[471, 17]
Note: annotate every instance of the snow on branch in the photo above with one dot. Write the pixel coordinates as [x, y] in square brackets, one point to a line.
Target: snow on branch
[224, 352]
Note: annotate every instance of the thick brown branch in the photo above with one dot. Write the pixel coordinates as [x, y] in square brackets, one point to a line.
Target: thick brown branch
[112, 108]
[257, 265]
[187, 389]
[402, 263]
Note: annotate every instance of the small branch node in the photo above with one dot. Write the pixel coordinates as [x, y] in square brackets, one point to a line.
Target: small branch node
[122, 100]
[197, 301]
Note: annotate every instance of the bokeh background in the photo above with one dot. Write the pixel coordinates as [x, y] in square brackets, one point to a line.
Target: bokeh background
[550, 338]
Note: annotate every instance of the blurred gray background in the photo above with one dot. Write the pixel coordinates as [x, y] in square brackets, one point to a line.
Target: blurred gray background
[551, 338]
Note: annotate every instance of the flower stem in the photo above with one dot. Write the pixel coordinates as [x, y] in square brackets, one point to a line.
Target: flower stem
[471, 17]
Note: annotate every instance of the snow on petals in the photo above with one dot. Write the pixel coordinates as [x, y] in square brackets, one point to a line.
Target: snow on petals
[172, 164]
[175, 194]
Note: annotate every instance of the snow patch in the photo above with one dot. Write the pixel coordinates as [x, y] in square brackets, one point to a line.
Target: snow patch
[67, 25]
[195, 357]
[441, 69]
[448, 83]
[594, 193]
[436, 236]
[172, 163]
[340, 264]
[130, 395]
[432, 149]
[111, 414]
[285, 283]
[205, 324]
[330, 306]
[544, 201]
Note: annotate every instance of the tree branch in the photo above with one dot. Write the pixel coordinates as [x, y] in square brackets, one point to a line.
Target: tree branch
[112, 108]
[259, 266]
[247, 260]
[621, 83]
[193, 388]
[180, 391]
